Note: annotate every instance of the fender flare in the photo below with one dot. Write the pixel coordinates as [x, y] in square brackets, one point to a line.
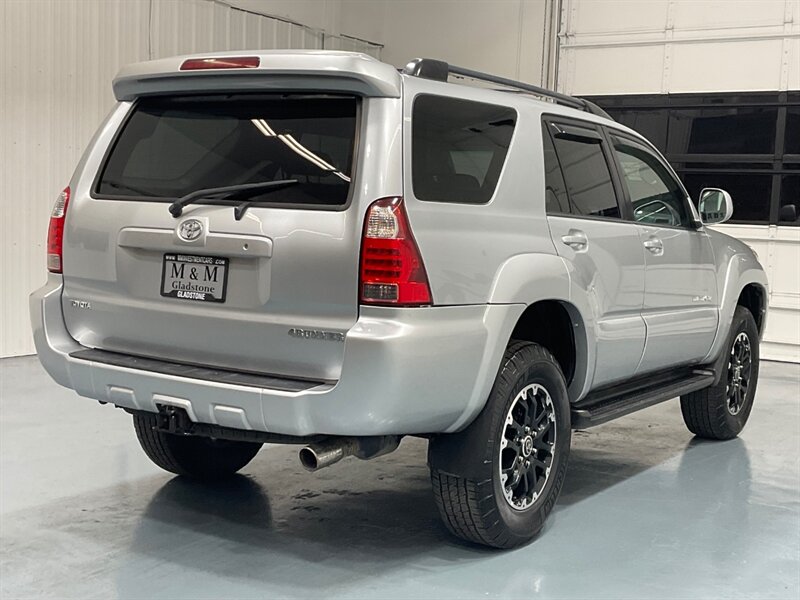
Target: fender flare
[514, 287]
[742, 270]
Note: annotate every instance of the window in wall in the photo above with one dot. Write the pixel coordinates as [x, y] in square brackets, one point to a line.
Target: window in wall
[650, 122]
[587, 178]
[750, 192]
[458, 148]
[789, 212]
[748, 141]
[655, 195]
[709, 130]
[792, 137]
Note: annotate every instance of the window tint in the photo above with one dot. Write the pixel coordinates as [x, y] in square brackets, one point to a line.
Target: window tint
[458, 148]
[555, 192]
[751, 141]
[656, 196]
[790, 196]
[792, 139]
[651, 123]
[750, 192]
[170, 147]
[587, 177]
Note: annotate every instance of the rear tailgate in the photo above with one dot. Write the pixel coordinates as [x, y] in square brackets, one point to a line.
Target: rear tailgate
[274, 292]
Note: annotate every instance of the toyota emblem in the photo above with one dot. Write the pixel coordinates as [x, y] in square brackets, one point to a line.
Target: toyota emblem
[190, 230]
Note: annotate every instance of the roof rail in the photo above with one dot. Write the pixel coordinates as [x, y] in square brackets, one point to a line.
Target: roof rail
[439, 70]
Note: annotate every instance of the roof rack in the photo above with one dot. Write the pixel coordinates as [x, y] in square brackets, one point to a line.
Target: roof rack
[439, 70]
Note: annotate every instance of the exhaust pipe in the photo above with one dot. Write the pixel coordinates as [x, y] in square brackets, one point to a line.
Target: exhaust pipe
[323, 454]
[318, 456]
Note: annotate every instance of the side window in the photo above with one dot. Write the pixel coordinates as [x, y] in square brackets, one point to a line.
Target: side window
[555, 191]
[656, 196]
[458, 148]
[586, 173]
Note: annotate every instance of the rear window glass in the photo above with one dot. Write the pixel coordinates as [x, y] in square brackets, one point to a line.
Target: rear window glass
[170, 147]
[458, 148]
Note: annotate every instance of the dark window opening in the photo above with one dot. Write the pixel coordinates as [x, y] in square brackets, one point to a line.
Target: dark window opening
[587, 177]
[709, 131]
[750, 192]
[656, 197]
[792, 143]
[458, 148]
[789, 211]
[555, 192]
[172, 146]
[745, 143]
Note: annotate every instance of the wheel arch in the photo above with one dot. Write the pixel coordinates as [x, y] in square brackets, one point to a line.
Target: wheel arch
[558, 326]
[742, 282]
[754, 298]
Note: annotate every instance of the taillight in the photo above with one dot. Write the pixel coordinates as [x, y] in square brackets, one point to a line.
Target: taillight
[55, 233]
[227, 62]
[392, 272]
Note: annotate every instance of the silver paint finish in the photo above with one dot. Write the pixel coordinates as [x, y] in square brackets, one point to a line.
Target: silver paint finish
[374, 396]
[609, 271]
[279, 69]
[679, 329]
[736, 266]
[645, 511]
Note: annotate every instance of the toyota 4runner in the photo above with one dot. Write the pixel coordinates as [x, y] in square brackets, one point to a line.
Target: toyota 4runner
[313, 248]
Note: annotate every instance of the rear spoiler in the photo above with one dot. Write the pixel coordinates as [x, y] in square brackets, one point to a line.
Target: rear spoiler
[306, 70]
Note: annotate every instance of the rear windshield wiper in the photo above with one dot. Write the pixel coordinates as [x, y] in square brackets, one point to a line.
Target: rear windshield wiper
[245, 190]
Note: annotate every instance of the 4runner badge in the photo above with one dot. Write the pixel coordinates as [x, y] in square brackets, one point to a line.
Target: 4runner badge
[316, 334]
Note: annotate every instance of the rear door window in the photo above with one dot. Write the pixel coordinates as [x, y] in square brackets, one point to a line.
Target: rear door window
[458, 148]
[172, 146]
[555, 190]
[585, 170]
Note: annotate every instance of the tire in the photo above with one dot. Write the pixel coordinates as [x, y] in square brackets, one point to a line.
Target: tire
[476, 502]
[192, 456]
[720, 412]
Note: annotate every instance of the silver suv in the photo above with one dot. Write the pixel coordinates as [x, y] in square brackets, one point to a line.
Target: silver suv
[313, 248]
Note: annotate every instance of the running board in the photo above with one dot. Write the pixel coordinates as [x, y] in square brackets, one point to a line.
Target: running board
[614, 402]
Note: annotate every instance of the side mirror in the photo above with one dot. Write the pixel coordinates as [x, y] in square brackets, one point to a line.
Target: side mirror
[715, 206]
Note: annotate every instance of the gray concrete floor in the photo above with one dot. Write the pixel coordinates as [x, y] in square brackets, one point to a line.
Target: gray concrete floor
[646, 512]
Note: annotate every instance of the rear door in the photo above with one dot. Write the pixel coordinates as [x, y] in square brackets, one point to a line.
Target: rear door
[680, 297]
[604, 250]
[273, 292]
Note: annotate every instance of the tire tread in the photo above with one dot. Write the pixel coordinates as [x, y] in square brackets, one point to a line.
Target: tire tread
[467, 506]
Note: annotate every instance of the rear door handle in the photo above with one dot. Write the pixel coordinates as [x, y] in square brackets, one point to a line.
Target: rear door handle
[655, 245]
[575, 239]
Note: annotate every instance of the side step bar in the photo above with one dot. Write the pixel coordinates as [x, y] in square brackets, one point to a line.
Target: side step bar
[614, 402]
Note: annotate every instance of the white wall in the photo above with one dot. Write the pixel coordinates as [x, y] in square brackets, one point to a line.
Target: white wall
[662, 46]
[506, 37]
[57, 62]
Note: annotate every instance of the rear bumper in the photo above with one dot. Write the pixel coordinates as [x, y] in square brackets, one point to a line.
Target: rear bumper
[405, 371]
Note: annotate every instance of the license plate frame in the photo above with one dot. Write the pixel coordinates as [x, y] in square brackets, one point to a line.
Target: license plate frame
[199, 278]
